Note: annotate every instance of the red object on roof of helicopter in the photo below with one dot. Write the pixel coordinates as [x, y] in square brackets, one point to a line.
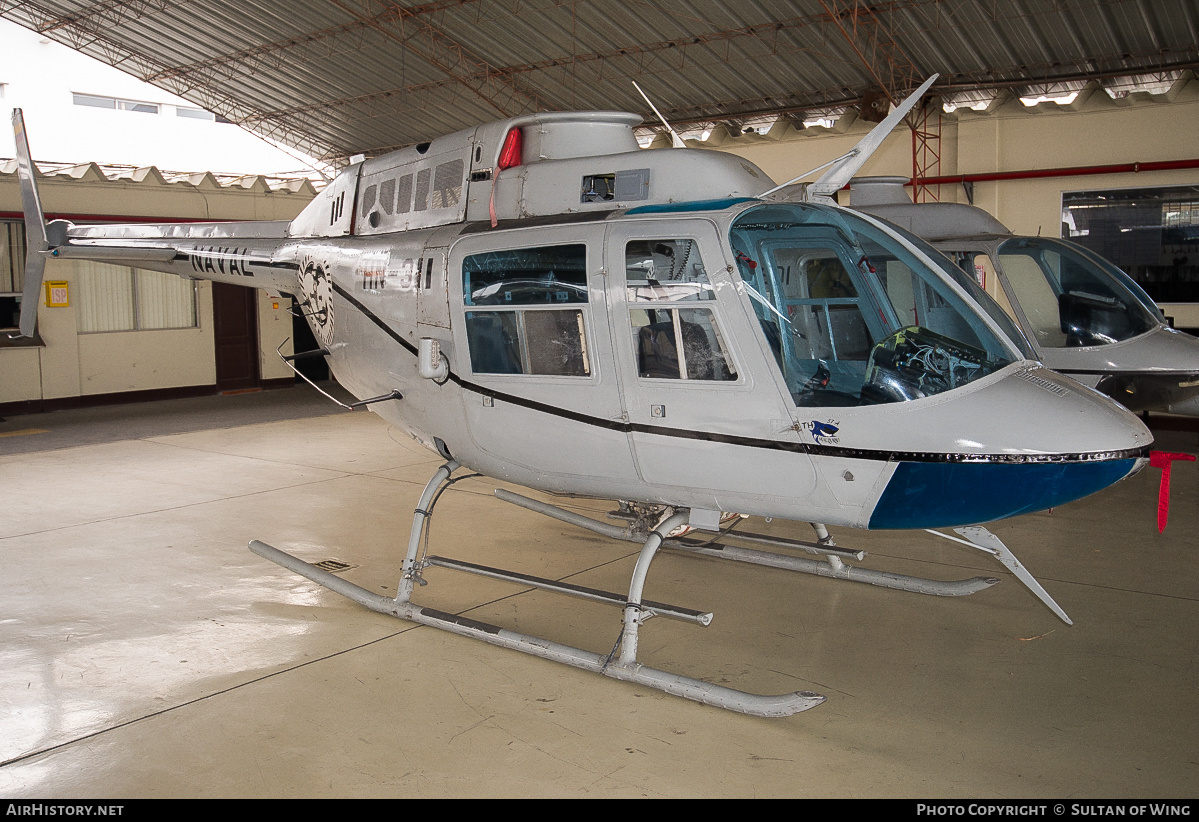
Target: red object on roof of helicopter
[510, 154]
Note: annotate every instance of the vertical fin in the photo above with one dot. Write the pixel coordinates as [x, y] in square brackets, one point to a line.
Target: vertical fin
[35, 229]
[847, 165]
[838, 176]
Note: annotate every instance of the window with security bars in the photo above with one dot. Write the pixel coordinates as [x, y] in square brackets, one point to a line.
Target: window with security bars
[12, 269]
[118, 298]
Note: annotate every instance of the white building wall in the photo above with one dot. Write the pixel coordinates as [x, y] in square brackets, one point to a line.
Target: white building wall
[41, 78]
[73, 365]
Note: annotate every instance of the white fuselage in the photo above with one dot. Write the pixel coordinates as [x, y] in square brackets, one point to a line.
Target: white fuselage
[710, 354]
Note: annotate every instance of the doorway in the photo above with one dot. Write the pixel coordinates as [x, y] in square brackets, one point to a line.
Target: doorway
[235, 336]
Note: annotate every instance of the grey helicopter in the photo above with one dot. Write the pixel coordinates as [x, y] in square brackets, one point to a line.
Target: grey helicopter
[541, 301]
[1083, 316]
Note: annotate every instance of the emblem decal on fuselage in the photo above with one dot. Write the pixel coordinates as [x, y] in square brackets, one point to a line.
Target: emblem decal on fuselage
[824, 433]
[317, 288]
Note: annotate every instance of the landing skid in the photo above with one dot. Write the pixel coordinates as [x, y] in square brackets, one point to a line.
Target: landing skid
[651, 528]
[832, 566]
[620, 664]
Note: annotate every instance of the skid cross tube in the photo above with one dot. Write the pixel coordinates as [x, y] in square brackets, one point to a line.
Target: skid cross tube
[559, 587]
[623, 667]
[632, 610]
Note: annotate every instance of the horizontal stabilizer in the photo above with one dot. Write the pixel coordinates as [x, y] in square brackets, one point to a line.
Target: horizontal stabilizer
[119, 255]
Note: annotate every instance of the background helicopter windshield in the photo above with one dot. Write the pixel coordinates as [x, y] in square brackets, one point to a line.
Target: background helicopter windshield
[959, 270]
[1069, 298]
[852, 316]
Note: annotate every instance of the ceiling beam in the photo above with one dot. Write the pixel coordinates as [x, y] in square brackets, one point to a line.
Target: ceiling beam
[313, 45]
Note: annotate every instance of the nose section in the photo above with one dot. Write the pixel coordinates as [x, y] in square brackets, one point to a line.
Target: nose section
[1038, 414]
[1154, 372]
[1030, 441]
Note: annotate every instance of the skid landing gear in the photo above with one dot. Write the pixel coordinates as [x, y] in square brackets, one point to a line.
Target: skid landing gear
[832, 565]
[620, 664]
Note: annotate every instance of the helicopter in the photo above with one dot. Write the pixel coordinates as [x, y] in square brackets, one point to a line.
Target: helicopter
[541, 301]
[1083, 316]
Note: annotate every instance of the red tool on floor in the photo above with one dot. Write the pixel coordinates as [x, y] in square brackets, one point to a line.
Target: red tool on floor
[1162, 460]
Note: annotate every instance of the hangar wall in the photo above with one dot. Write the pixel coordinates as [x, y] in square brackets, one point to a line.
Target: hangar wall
[71, 368]
[1093, 130]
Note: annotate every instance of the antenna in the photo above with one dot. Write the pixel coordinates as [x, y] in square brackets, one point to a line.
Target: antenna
[675, 140]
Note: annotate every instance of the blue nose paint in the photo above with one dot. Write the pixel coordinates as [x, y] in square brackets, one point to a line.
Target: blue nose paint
[943, 495]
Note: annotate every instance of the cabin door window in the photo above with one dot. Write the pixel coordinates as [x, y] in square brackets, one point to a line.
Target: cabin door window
[524, 312]
[811, 310]
[675, 334]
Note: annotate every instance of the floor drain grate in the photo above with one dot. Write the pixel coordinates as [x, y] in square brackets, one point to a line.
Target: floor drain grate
[334, 566]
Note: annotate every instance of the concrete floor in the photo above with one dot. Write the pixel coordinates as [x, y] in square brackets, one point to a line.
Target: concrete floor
[145, 652]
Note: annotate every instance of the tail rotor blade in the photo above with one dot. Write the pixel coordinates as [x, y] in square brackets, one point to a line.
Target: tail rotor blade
[35, 229]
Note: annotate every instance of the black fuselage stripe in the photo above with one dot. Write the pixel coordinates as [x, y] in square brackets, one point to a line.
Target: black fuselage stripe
[370, 315]
[734, 439]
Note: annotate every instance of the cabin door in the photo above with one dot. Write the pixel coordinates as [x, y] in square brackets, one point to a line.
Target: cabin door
[703, 408]
[542, 396]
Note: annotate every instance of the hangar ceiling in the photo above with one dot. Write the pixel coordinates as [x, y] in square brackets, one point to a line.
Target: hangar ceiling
[339, 77]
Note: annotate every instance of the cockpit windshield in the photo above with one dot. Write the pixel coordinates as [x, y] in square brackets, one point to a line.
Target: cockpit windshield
[852, 315]
[1072, 298]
